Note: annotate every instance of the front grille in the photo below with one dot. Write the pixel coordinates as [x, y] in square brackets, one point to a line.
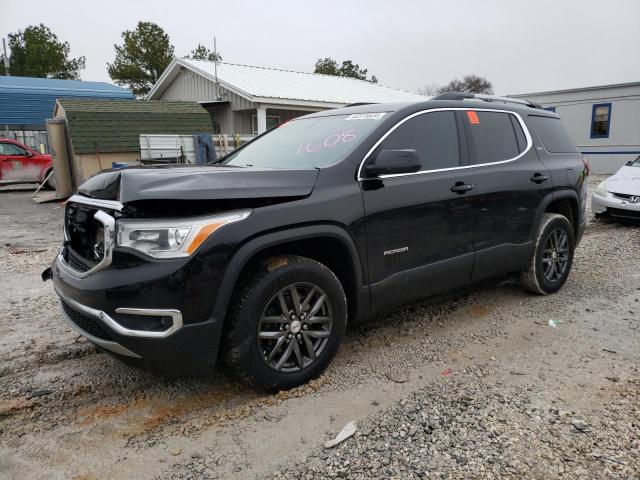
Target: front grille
[620, 213]
[623, 196]
[85, 236]
[86, 323]
[76, 262]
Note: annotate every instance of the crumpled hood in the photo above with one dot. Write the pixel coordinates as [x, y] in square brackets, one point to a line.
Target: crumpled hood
[626, 181]
[198, 183]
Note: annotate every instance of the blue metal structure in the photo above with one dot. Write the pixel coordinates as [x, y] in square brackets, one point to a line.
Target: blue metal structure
[25, 102]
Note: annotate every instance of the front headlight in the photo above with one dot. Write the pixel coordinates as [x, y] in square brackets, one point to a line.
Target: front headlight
[171, 238]
[601, 189]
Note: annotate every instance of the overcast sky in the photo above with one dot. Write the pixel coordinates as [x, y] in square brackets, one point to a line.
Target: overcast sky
[519, 46]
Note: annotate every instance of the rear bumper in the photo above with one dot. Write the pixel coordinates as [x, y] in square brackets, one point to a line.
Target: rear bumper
[139, 322]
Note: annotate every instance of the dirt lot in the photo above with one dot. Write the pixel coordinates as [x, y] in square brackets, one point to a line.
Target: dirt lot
[473, 384]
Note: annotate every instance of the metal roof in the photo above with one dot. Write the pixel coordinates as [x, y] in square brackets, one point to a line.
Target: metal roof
[270, 85]
[580, 89]
[74, 105]
[28, 102]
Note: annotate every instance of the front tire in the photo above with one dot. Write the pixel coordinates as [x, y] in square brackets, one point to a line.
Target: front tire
[285, 323]
[552, 257]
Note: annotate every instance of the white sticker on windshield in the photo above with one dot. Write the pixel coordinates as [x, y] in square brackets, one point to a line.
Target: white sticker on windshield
[366, 116]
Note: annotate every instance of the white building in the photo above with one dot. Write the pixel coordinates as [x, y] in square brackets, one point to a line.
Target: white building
[243, 99]
[603, 121]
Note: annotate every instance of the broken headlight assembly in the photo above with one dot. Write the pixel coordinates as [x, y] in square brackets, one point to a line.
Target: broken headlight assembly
[171, 238]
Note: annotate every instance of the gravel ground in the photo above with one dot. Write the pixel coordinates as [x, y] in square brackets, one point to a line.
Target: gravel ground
[471, 384]
[488, 429]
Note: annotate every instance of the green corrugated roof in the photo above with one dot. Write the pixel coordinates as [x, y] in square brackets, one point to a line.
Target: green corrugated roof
[115, 125]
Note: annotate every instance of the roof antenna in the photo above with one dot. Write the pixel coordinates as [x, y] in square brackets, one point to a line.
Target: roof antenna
[215, 68]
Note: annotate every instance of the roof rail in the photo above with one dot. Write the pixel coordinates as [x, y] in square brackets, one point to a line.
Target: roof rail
[484, 97]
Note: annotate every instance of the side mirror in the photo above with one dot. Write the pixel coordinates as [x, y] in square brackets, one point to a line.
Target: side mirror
[389, 162]
[629, 163]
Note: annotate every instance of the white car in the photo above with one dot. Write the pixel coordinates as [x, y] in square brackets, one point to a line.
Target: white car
[619, 195]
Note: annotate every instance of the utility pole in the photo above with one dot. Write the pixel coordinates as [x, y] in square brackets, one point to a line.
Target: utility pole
[215, 67]
[5, 57]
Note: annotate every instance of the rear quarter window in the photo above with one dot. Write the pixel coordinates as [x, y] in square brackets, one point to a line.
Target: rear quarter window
[553, 134]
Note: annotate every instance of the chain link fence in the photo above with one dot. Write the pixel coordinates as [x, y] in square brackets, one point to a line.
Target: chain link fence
[33, 139]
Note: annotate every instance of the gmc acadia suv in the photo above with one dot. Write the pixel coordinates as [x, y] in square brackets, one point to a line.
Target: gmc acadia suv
[263, 256]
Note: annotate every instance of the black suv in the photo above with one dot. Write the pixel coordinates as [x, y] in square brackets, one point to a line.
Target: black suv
[263, 256]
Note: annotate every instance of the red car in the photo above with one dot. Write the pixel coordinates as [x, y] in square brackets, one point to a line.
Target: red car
[21, 164]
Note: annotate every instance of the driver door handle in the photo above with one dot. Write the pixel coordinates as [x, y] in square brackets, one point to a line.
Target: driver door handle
[461, 188]
[539, 178]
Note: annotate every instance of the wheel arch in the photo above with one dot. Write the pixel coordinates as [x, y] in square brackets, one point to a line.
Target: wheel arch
[564, 202]
[338, 253]
[45, 171]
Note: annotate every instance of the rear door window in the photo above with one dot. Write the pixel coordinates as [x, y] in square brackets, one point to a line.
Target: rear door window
[493, 136]
[553, 134]
[435, 137]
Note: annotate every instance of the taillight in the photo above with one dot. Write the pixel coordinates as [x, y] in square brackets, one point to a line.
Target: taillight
[586, 165]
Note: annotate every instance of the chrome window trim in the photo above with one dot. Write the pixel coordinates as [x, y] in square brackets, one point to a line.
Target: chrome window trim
[96, 202]
[461, 167]
[109, 228]
[113, 324]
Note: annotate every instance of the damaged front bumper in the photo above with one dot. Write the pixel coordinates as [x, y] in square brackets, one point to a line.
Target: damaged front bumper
[139, 321]
[88, 322]
[98, 327]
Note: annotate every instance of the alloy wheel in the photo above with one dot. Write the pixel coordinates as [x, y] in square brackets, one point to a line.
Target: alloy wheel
[555, 256]
[295, 327]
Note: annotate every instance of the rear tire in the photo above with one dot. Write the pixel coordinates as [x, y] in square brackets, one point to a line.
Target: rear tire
[285, 323]
[552, 257]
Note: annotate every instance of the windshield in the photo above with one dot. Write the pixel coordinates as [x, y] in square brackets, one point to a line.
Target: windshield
[635, 163]
[307, 142]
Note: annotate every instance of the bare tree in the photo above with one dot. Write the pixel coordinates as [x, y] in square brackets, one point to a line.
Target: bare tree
[429, 90]
[469, 83]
